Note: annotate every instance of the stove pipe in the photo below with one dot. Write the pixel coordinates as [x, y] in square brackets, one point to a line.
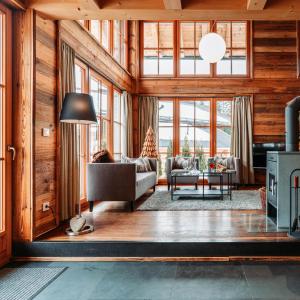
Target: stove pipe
[292, 125]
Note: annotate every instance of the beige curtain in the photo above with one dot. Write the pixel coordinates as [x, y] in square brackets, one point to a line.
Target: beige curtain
[69, 152]
[241, 136]
[148, 116]
[127, 136]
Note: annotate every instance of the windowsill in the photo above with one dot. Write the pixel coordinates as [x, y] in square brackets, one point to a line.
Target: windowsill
[189, 77]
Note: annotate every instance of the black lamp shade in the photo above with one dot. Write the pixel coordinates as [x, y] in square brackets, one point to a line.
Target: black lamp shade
[78, 108]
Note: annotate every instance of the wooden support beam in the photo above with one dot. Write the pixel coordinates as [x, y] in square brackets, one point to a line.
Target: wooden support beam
[256, 4]
[172, 4]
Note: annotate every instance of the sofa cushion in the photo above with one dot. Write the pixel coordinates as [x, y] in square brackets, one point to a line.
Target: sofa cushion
[144, 181]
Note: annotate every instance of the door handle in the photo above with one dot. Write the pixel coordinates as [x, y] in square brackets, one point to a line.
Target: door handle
[13, 150]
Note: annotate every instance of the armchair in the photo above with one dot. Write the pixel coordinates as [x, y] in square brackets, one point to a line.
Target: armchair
[232, 163]
[186, 180]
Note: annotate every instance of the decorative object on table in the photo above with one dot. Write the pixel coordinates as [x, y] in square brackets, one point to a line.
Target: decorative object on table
[149, 146]
[220, 168]
[212, 166]
[103, 156]
[78, 109]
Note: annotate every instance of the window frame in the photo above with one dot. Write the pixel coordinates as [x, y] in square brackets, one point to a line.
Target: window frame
[141, 44]
[118, 91]
[179, 75]
[176, 52]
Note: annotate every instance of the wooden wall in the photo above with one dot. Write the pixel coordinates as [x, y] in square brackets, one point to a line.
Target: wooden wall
[45, 117]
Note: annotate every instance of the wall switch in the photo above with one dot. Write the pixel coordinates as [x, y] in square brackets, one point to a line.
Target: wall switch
[46, 132]
[46, 206]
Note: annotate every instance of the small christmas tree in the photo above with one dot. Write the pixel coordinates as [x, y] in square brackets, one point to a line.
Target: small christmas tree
[149, 147]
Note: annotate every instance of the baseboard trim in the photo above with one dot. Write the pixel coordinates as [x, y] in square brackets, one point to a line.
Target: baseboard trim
[162, 259]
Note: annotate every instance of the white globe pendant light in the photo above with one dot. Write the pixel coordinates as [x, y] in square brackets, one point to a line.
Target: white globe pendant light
[212, 47]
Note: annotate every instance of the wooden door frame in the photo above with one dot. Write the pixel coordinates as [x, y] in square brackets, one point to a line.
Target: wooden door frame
[6, 234]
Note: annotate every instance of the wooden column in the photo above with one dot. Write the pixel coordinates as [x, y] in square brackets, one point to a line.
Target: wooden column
[23, 96]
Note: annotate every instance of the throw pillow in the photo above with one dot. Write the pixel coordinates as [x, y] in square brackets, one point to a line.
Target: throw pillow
[142, 163]
[102, 156]
[183, 162]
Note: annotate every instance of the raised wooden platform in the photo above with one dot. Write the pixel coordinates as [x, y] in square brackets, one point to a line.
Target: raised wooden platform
[121, 233]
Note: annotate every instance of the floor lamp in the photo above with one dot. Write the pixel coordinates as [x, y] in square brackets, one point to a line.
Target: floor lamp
[78, 109]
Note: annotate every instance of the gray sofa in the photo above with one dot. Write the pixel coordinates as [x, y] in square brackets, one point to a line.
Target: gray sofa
[181, 180]
[118, 182]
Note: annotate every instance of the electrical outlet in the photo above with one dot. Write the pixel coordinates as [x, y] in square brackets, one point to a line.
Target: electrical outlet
[46, 206]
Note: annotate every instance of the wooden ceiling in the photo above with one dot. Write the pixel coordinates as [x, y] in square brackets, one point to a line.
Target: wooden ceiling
[169, 9]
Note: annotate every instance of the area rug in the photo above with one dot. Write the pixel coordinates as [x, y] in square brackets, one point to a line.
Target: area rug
[25, 283]
[161, 200]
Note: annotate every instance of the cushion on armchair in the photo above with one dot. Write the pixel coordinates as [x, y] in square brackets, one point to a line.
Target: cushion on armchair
[102, 156]
[180, 162]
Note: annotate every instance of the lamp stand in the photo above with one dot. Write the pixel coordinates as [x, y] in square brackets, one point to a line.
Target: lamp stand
[85, 228]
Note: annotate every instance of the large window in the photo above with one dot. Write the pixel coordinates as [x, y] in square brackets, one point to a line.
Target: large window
[120, 41]
[198, 127]
[110, 129]
[165, 133]
[81, 87]
[223, 126]
[235, 59]
[191, 62]
[172, 49]
[117, 125]
[158, 44]
[194, 127]
[99, 133]
[101, 31]
[111, 35]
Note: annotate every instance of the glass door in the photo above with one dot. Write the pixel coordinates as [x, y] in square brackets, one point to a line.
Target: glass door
[5, 134]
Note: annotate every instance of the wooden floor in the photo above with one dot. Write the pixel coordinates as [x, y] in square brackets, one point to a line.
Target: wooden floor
[114, 222]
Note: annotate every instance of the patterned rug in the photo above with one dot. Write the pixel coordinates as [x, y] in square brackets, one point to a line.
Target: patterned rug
[25, 283]
[161, 200]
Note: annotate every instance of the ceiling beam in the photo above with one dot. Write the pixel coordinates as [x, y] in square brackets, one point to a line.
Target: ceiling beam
[256, 4]
[155, 10]
[172, 4]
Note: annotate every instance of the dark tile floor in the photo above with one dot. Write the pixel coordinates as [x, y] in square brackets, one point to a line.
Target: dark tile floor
[171, 280]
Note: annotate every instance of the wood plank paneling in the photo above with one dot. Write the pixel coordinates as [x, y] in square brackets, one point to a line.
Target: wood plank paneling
[274, 54]
[45, 117]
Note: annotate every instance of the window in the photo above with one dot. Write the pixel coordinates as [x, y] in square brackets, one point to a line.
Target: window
[160, 39]
[223, 127]
[99, 138]
[188, 127]
[194, 128]
[120, 41]
[100, 30]
[80, 85]
[117, 125]
[111, 35]
[235, 59]
[165, 134]
[190, 61]
[158, 48]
